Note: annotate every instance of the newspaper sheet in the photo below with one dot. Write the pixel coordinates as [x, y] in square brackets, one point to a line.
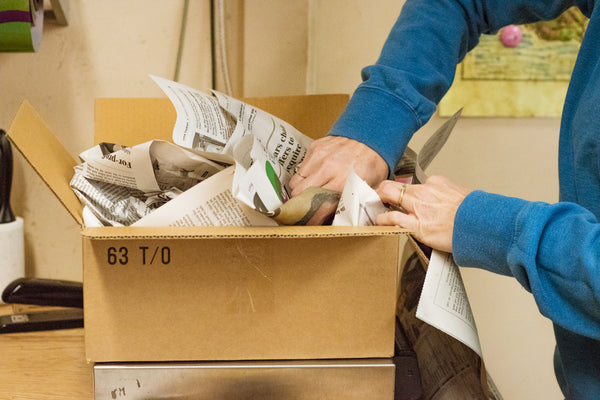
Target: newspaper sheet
[359, 204]
[257, 179]
[199, 113]
[209, 203]
[444, 303]
[201, 123]
[449, 369]
[120, 185]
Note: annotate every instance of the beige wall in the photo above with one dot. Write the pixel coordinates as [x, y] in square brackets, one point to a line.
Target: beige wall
[275, 47]
[107, 50]
[515, 157]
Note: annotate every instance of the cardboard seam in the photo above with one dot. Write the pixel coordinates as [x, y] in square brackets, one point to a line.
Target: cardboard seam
[241, 236]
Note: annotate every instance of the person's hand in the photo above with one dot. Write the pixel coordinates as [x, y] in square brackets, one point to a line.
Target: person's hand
[328, 162]
[430, 209]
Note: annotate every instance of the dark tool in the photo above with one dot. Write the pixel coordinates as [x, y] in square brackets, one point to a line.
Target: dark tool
[43, 292]
[408, 377]
[6, 171]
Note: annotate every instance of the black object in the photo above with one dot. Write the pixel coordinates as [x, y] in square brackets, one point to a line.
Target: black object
[42, 321]
[44, 292]
[408, 377]
[6, 172]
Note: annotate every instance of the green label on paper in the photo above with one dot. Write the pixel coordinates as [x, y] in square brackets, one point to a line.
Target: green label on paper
[274, 179]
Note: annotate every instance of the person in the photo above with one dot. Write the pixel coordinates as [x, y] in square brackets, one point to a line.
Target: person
[553, 250]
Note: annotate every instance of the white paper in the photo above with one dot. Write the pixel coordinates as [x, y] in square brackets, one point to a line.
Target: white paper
[257, 178]
[13, 252]
[209, 203]
[281, 140]
[359, 203]
[201, 123]
[199, 114]
[444, 303]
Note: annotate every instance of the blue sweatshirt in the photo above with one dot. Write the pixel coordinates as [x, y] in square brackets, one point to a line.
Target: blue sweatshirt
[553, 250]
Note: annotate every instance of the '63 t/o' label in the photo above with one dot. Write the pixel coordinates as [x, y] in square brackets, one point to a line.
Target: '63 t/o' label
[141, 255]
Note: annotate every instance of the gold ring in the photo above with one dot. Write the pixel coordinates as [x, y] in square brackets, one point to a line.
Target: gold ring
[402, 190]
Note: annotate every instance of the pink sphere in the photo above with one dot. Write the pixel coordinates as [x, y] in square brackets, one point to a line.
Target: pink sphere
[511, 36]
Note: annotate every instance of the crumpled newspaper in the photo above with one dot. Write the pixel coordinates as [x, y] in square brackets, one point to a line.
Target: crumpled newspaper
[317, 206]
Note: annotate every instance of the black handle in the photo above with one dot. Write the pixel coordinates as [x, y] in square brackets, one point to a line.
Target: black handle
[6, 172]
[67, 318]
[44, 292]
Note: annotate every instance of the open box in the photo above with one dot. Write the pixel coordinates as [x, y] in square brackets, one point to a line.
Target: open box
[222, 293]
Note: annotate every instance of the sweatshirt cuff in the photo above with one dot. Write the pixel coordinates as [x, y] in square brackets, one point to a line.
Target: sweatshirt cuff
[484, 228]
[380, 120]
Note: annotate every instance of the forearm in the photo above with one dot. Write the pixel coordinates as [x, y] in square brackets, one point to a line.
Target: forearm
[401, 90]
[553, 250]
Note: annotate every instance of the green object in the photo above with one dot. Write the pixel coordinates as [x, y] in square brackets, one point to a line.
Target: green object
[17, 31]
[15, 36]
[18, 5]
[274, 179]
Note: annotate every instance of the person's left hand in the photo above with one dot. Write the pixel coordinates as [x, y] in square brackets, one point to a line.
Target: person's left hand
[430, 209]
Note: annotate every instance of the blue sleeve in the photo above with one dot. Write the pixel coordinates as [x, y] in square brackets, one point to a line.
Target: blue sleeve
[553, 250]
[417, 64]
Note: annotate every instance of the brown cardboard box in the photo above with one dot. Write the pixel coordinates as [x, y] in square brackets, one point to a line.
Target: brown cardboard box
[222, 293]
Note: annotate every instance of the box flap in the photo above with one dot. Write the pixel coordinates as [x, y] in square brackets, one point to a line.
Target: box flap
[36, 142]
[232, 232]
[312, 115]
[130, 121]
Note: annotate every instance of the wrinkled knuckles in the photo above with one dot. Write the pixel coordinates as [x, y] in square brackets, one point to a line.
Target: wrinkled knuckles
[436, 179]
[387, 187]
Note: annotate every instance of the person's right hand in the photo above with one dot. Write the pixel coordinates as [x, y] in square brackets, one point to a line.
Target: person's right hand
[328, 162]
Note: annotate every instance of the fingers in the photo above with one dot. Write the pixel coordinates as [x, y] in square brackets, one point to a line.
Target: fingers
[314, 170]
[400, 219]
[429, 209]
[299, 182]
[396, 194]
[329, 160]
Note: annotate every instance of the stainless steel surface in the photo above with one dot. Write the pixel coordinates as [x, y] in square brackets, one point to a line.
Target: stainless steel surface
[265, 380]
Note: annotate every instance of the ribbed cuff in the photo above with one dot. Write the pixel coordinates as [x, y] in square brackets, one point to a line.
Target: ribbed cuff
[380, 120]
[484, 229]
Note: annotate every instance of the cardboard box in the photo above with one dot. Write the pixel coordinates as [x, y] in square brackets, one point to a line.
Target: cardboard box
[222, 293]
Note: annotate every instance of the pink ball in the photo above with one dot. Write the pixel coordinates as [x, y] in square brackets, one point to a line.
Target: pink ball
[511, 36]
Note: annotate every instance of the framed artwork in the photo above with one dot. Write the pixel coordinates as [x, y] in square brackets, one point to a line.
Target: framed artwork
[523, 71]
